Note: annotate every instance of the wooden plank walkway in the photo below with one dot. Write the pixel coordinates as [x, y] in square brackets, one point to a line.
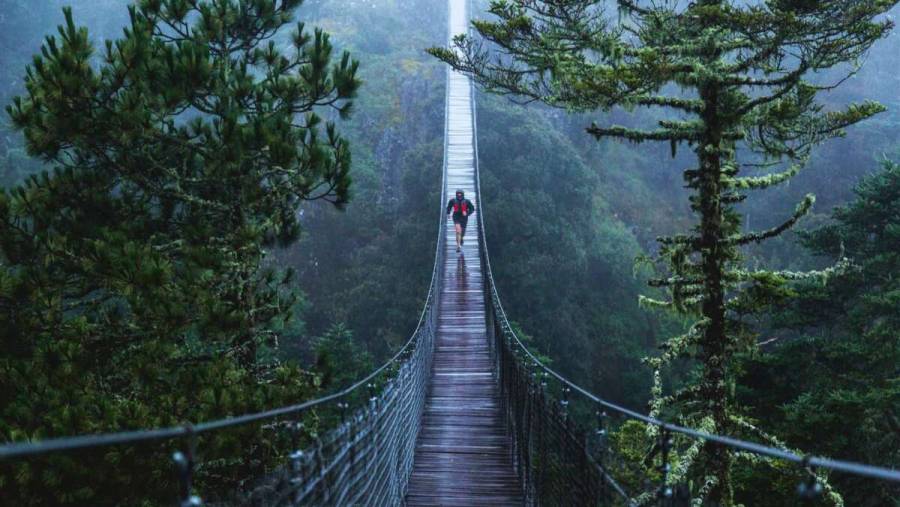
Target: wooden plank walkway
[463, 454]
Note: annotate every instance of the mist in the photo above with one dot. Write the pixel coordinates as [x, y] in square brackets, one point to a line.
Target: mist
[571, 224]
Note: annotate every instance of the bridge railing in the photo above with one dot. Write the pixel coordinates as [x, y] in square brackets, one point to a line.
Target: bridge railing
[366, 459]
[554, 457]
[562, 460]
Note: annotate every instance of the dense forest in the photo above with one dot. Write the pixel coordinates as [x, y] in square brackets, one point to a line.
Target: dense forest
[175, 247]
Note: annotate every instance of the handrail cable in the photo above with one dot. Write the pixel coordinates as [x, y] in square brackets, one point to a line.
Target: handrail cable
[186, 430]
[865, 470]
[61, 444]
[494, 296]
[860, 469]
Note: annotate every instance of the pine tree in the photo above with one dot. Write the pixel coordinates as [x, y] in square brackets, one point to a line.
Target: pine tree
[133, 287]
[835, 365]
[732, 81]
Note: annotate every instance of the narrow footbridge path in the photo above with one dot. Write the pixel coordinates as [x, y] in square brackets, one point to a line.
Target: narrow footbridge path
[464, 454]
[463, 414]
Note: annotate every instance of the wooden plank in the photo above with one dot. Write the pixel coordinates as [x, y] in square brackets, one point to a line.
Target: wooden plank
[463, 453]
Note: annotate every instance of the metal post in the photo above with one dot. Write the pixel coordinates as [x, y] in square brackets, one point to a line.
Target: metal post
[372, 397]
[184, 466]
[342, 406]
[564, 403]
[296, 480]
[665, 492]
[810, 489]
[542, 439]
[601, 432]
[296, 462]
[601, 435]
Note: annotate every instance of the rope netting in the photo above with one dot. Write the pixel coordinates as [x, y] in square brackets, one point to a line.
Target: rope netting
[368, 458]
[558, 461]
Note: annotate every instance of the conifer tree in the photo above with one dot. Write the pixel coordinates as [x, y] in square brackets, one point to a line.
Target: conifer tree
[837, 363]
[133, 289]
[732, 81]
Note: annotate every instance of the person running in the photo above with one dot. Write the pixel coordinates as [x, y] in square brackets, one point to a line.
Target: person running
[462, 209]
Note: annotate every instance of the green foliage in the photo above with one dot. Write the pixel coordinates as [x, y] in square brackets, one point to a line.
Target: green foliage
[22, 27]
[368, 266]
[833, 363]
[629, 443]
[371, 265]
[561, 260]
[340, 360]
[132, 287]
[751, 118]
[15, 166]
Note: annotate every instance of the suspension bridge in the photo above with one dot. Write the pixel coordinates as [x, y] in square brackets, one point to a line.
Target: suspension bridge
[463, 414]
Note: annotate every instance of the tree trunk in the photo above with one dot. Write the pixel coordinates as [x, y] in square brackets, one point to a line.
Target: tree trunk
[714, 256]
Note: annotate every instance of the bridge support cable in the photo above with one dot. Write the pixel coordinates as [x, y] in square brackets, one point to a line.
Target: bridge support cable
[563, 460]
[366, 459]
[558, 461]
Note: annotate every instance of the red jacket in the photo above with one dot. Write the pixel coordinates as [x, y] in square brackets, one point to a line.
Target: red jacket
[458, 207]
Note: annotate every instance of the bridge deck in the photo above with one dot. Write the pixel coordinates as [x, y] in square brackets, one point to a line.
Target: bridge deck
[463, 454]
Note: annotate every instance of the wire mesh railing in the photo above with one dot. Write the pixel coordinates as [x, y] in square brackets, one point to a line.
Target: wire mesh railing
[365, 459]
[368, 459]
[562, 460]
[557, 462]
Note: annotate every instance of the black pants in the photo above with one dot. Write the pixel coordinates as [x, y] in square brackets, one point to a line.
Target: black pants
[462, 221]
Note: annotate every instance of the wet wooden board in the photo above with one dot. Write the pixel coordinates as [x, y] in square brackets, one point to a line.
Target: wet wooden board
[463, 453]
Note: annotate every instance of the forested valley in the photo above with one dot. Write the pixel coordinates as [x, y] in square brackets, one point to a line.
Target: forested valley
[139, 289]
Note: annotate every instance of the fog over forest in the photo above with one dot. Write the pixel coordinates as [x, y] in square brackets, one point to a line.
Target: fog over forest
[118, 313]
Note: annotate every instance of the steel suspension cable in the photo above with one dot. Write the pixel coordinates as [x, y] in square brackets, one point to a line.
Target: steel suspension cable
[865, 470]
[859, 469]
[367, 458]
